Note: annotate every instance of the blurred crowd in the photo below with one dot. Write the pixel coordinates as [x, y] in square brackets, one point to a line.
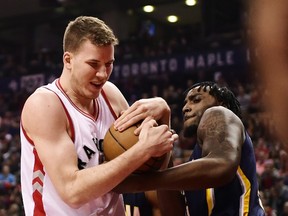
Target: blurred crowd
[272, 159]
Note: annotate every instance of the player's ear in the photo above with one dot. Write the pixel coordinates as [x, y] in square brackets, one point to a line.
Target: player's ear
[67, 59]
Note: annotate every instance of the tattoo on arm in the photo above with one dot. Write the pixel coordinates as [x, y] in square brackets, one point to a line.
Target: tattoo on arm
[213, 132]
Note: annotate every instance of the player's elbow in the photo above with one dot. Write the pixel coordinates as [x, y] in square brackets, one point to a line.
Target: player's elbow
[72, 198]
[72, 201]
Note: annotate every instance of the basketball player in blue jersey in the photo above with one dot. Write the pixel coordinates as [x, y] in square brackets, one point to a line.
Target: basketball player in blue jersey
[220, 177]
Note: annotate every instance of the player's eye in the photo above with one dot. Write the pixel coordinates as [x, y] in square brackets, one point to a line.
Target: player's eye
[196, 100]
[93, 64]
[109, 64]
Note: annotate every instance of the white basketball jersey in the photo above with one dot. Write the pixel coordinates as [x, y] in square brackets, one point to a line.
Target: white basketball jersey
[39, 195]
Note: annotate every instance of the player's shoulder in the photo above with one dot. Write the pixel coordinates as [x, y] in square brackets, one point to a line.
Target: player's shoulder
[42, 101]
[115, 97]
[221, 112]
[110, 87]
[42, 106]
[111, 91]
[41, 96]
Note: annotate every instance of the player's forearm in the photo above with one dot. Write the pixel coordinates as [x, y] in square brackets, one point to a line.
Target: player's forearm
[96, 181]
[198, 174]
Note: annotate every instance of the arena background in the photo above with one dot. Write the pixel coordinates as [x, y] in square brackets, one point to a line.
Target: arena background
[154, 58]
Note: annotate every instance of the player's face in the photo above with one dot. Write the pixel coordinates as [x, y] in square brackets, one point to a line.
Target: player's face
[91, 67]
[195, 104]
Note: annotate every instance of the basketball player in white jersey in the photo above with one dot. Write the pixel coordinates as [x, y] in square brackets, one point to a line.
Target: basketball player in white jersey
[63, 125]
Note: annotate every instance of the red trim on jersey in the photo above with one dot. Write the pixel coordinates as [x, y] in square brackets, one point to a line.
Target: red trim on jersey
[38, 167]
[69, 120]
[88, 115]
[37, 196]
[108, 103]
[96, 103]
[68, 116]
[26, 135]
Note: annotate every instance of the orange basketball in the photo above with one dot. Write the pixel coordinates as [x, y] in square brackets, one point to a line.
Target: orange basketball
[115, 143]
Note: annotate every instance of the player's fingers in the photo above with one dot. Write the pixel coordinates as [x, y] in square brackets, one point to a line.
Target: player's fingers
[175, 137]
[172, 131]
[127, 122]
[149, 122]
[128, 118]
[138, 129]
[124, 114]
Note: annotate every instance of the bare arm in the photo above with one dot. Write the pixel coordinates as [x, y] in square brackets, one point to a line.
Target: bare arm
[269, 37]
[221, 135]
[48, 128]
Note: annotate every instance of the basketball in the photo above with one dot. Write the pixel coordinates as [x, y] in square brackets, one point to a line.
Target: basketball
[115, 143]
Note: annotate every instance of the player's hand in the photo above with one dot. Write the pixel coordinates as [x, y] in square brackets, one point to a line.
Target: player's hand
[157, 140]
[150, 108]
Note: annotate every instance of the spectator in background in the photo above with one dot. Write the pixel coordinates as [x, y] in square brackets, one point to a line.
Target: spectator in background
[13, 210]
[279, 195]
[220, 79]
[243, 98]
[260, 162]
[283, 162]
[285, 209]
[268, 176]
[7, 179]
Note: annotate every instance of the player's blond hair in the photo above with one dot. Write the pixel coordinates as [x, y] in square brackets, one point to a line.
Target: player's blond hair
[87, 28]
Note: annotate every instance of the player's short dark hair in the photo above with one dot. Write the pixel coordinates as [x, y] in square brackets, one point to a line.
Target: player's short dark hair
[222, 94]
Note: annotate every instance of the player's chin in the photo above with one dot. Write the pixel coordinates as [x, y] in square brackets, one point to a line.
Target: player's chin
[92, 94]
[93, 91]
[188, 122]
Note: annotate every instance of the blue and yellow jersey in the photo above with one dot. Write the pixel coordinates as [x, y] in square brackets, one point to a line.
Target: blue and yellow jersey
[239, 197]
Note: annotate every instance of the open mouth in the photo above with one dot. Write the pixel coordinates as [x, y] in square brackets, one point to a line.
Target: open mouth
[97, 85]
